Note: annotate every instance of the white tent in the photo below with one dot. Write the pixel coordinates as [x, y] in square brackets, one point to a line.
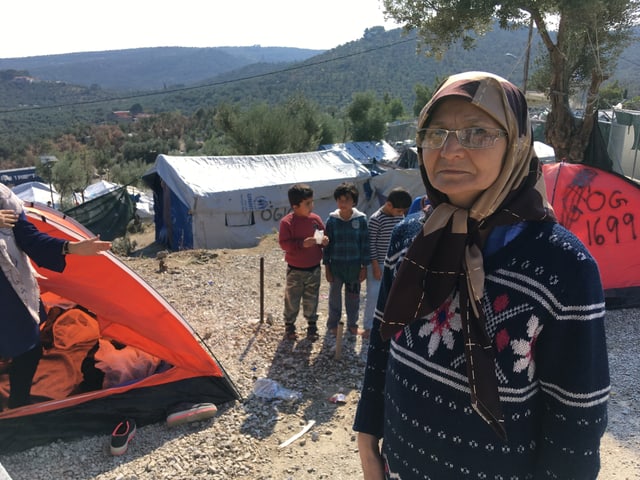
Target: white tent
[232, 201]
[37, 192]
[545, 153]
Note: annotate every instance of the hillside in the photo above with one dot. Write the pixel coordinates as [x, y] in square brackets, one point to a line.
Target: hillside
[144, 69]
[60, 92]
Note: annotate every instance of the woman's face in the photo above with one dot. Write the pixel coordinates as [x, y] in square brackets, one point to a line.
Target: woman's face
[462, 173]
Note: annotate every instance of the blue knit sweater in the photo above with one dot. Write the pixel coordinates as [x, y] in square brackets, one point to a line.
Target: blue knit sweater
[545, 313]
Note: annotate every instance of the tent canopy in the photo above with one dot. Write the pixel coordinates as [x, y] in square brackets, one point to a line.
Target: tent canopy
[126, 310]
[601, 208]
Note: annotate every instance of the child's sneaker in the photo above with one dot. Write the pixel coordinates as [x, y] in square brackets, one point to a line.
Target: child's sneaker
[122, 435]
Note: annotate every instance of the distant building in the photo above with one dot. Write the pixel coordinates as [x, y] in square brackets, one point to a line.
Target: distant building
[18, 176]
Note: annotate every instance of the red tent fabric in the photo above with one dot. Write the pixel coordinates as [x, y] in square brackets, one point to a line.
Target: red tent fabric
[130, 312]
[603, 210]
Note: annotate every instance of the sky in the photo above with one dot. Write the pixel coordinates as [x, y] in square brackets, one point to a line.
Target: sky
[45, 27]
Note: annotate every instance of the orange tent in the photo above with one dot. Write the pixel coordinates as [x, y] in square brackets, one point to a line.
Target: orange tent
[603, 210]
[130, 312]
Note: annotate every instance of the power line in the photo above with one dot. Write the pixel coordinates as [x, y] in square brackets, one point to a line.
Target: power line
[208, 85]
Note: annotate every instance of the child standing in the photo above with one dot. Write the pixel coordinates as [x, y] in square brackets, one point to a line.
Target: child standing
[346, 258]
[303, 254]
[381, 225]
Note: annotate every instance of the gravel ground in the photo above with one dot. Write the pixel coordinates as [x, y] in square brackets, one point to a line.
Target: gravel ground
[218, 292]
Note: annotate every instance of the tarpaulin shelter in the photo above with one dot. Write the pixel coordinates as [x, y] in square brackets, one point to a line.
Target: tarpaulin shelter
[143, 200]
[107, 215]
[233, 201]
[110, 303]
[603, 210]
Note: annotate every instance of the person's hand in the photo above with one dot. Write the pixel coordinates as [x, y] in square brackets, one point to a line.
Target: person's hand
[363, 274]
[328, 275]
[90, 246]
[370, 458]
[377, 272]
[8, 218]
[309, 242]
[325, 241]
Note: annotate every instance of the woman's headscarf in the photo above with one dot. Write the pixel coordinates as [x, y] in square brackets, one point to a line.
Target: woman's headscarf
[447, 255]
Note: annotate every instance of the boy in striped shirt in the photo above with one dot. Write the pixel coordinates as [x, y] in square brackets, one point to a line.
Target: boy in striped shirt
[381, 225]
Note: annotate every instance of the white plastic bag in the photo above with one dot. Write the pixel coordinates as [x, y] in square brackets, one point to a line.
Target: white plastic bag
[270, 390]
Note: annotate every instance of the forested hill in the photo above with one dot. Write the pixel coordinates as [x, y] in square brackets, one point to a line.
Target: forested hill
[143, 69]
[81, 88]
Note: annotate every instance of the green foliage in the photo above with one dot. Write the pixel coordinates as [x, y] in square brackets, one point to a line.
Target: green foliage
[611, 95]
[423, 95]
[369, 116]
[633, 103]
[262, 129]
[583, 53]
[42, 117]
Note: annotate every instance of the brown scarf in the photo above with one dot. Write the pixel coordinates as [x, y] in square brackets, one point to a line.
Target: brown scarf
[447, 256]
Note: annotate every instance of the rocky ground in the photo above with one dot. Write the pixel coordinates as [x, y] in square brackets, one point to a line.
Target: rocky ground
[218, 292]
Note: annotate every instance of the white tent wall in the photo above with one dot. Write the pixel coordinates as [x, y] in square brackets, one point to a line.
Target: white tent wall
[382, 184]
[235, 200]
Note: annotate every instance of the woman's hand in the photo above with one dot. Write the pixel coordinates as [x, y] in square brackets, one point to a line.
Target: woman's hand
[90, 246]
[370, 458]
[8, 218]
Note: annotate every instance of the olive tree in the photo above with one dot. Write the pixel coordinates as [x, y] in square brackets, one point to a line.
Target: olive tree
[582, 38]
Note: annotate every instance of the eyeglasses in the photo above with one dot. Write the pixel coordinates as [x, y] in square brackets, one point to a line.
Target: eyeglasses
[472, 138]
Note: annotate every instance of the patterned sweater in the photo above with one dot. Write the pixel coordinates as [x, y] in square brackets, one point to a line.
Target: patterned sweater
[545, 313]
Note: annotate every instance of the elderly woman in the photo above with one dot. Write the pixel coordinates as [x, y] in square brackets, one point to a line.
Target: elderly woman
[489, 361]
[22, 309]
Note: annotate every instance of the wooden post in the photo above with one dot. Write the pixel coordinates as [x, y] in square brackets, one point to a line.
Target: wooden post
[339, 340]
[261, 289]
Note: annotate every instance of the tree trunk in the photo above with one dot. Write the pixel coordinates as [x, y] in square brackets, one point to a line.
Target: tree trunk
[560, 125]
[581, 138]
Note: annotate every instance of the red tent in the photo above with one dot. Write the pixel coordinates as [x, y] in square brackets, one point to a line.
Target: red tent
[124, 309]
[603, 210]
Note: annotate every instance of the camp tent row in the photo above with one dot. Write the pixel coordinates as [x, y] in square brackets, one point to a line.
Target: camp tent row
[233, 201]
